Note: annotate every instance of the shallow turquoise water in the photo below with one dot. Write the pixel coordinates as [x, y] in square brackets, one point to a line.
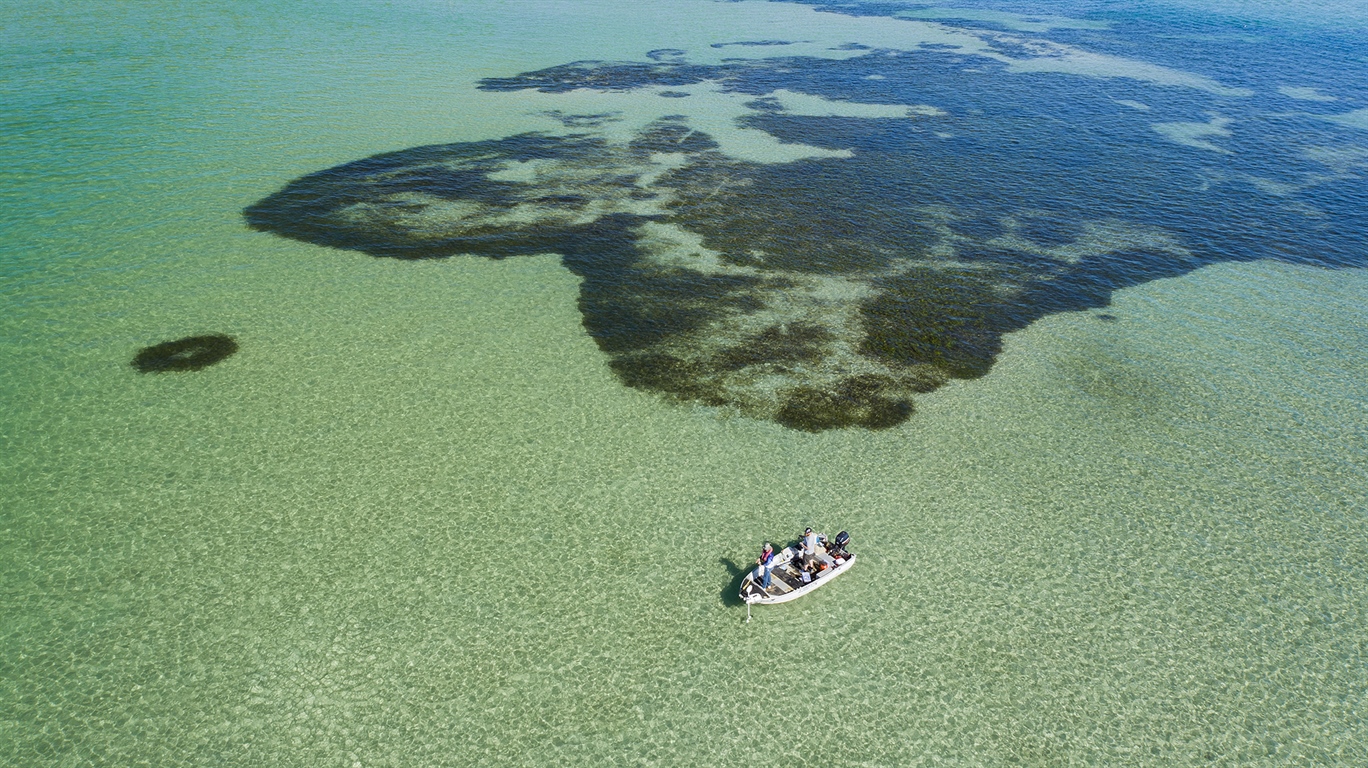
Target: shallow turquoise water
[417, 520]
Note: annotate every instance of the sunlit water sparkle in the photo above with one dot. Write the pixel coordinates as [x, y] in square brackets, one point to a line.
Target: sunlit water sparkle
[417, 520]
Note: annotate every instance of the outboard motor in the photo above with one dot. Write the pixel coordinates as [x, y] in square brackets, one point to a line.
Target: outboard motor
[837, 546]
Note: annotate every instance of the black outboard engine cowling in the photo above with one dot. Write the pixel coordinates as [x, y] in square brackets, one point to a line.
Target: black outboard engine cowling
[837, 546]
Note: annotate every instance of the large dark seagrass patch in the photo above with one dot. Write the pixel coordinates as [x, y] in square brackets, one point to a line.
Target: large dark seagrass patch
[820, 293]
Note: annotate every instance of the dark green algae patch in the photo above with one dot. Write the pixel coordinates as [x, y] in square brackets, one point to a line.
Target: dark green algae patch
[191, 353]
[819, 294]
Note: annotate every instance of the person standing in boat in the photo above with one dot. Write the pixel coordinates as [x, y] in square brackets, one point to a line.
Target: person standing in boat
[814, 551]
[766, 565]
[809, 549]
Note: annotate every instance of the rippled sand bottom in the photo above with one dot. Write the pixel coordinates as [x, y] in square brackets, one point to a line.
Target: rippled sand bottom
[420, 523]
[415, 520]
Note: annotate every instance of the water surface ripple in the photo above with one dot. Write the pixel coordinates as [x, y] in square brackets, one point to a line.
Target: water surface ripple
[547, 315]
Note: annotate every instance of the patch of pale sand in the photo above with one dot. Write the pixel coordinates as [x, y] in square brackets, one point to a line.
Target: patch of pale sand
[1096, 239]
[815, 32]
[709, 108]
[672, 246]
[524, 171]
[808, 105]
[461, 111]
[1356, 119]
[1195, 134]
[1046, 56]
[661, 164]
[1341, 160]
[821, 35]
[1271, 187]
[831, 303]
[1304, 94]
[1014, 21]
[719, 116]
[1065, 59]
[719, 113]
[1307, 210]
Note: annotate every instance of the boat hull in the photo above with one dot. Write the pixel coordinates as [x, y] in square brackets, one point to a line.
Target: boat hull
[785, 583]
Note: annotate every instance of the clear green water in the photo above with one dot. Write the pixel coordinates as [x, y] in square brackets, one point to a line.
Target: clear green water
[417, 521]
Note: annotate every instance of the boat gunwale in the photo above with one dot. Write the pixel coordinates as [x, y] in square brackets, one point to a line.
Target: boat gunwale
[796, 593]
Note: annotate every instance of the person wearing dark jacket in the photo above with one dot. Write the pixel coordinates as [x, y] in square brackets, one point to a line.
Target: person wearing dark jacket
[765, 565]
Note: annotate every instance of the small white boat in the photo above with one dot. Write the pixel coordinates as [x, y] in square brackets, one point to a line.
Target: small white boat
[787, 580]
